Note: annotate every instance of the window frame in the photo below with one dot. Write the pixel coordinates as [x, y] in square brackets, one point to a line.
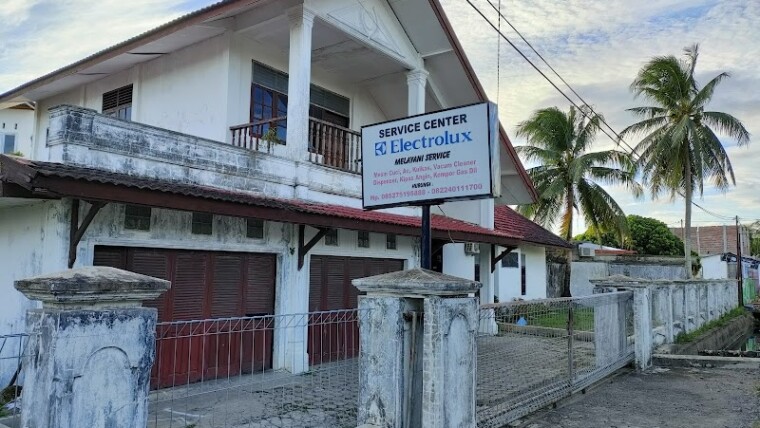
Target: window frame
[137, 218]
[363, 239]
[14, 147]
[121, 110]
[388, 241]
[196, 223]
[332, 238]
[248, 228]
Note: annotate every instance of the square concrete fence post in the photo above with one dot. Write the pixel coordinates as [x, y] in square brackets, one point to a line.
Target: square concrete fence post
[642, 326]
[396, 348]
[91, 348]
[668, 314]
[609, 329]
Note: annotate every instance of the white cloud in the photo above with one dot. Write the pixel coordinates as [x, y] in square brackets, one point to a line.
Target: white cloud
[45, 35]
[599, 46]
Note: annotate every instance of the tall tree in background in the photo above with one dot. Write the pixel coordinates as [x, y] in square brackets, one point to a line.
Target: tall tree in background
[679, 148]
[567, 179]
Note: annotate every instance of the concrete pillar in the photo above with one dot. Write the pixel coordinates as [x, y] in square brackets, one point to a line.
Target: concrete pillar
[416, 80]
[92, 348]
[668, 317]
[642, 326]
[290, 351]
[299, 80]
[487, 291]
[417, 374]
[609, 329]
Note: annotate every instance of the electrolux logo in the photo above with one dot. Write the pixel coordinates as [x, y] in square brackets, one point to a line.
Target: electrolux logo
[401, 145]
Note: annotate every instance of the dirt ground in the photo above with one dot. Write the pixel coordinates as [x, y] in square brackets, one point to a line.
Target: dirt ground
[662, 398]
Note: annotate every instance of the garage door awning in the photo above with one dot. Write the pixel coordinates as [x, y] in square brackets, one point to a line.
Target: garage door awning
[21, 178]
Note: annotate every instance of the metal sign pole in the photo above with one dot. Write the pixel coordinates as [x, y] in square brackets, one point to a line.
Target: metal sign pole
[426, 259]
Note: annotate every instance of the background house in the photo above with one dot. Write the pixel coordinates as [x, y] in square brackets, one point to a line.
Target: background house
[16, 128]
[715, 239]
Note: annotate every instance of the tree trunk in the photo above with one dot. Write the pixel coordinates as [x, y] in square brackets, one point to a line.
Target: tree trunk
[568, 271]
[687, 220]
[568, 237]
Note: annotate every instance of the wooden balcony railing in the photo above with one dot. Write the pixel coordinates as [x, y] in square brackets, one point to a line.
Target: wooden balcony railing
[334, 146]
[329, 144]
[258, 136]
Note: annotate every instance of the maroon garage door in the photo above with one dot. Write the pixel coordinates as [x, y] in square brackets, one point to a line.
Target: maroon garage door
[335, 335]
[205, 285]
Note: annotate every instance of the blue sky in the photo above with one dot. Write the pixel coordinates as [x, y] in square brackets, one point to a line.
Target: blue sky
[597, 45]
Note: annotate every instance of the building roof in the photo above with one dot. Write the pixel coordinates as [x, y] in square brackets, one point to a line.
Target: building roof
[511, 222]
[194, 27]
[34, 179]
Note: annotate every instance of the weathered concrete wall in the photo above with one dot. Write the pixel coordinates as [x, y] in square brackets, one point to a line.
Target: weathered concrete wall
[647, 267]
[32, 238]
[663, 309]
[714, 340]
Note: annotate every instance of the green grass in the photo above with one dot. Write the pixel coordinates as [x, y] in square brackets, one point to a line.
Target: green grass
[720, 322]
[535, 315]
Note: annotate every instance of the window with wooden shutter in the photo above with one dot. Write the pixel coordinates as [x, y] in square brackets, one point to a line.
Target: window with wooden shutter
[118, 103]
[260, 284]
[226, 290]
[153, 263]
[189, 287]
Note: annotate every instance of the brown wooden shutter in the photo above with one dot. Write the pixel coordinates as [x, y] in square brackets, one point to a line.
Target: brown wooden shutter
[189, 288]
[227, 299]
[335, 277]
[110, 256]
[260, 284]
[316, 275]
[153, 263]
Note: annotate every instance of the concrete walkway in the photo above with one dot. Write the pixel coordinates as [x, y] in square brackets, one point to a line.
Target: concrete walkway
[662, 398]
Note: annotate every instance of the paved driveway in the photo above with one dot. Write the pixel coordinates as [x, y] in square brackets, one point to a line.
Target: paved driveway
[663, 398]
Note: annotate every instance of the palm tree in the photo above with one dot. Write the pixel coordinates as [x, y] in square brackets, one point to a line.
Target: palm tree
[568, 177]
[679, 149]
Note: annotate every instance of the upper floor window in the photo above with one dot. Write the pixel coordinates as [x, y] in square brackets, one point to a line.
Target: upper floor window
[269, 100]
[118, 103]
[7, 143]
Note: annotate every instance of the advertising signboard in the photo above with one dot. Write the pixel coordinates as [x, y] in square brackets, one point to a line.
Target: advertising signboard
[431, 158]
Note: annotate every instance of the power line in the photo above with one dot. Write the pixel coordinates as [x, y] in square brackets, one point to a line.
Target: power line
[618, 139]
[585, 103]
[503, 36]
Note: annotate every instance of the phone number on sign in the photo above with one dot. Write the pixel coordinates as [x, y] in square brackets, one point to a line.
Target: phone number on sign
[433, 191]
[455, 189]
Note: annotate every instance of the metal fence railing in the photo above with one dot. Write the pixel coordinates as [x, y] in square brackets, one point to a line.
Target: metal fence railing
[537, 352]
[13, 348]
[297, 370]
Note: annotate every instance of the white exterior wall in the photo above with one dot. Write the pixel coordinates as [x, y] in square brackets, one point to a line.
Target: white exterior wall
[21, 124]
[713, 267]
[508, 279]
[33, 238]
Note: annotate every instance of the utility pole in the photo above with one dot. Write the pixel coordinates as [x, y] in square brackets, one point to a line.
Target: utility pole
[739, 279]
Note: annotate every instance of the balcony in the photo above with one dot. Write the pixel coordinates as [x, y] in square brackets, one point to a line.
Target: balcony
[330, 145]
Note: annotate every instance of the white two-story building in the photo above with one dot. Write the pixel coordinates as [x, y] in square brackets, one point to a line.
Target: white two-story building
[221, 151]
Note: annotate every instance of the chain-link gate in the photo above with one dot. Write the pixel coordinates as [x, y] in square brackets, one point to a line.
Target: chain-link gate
[541, 351]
